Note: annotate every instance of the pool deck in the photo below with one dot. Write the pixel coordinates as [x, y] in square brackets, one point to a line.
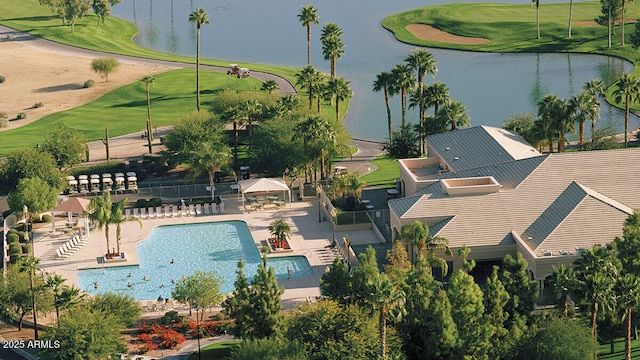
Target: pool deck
[308, 238]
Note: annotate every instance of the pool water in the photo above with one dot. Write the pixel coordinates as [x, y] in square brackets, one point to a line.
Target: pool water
[214, 246]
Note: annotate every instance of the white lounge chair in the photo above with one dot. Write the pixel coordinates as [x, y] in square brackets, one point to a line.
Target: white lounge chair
[222, 211]
[198, 209]
[167, 211]
[66, 249]
[60, 255]
[174, 210]
[127, 213]
[152, 214]
[159, 213]
[214, 209]
[191, 210]
[207, 211]
[183, 210]
[136, 212]
[143, 213]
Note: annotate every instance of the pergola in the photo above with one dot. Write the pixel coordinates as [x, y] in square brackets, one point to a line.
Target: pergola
[263, 185]
[73, 206]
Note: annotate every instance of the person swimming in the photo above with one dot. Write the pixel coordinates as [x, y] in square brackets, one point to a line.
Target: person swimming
[162, 285]
[129, 284]
[144, 278]
[173, 281]
[130, 275]
[95, 284]
[172, 261]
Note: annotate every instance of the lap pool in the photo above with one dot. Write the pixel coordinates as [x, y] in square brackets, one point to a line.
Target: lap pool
[214, 246]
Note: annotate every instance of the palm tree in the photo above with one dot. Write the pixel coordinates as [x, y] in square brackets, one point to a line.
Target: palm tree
[423, 63]
[563, 281]
[384, 82]
[232, 114]
[420, 100]
[280, 230]
[117, 217]
[311, 130]
[437, 94]
[100, 213]
[148, 80]
[564, 122]
[383, 295]
[308, 15]
[404, 80]
[416, 234]
[570, 16]
[548, 110]
[332, 45]
[250, 108]
[321, 93]
[594, 87]
[307, 77]
[269, 86]
[339, 89]
[454, 113]
[64, 296]
[209, 157]
[628, 287]
[199, 16]
[538, 17]
[349, 186]
[626, 90]
[585, 107]
[30, 264]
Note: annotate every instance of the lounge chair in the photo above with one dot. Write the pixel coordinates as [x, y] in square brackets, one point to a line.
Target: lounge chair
[167, 211]
[207, 211]
[191, 210]
[127, 213]
[66, 249]
[222, 211]
[152, 214]
[136, 212]
[159, 213]
[174, 210]
[198, 209]
[143, 213]
[183, 210]
[60, 255]
[214, 209]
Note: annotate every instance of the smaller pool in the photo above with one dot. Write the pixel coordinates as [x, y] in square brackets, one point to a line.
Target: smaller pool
[173, 251]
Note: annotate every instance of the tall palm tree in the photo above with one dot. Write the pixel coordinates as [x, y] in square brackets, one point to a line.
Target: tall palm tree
[232, 114]
[585, 107]
[563, 281]
[339, 89]
[64, 296]
[199, 16]
[564, 122]
[437, 94]
[416, 235]
[332, 45]
[419, 100]
[209, 157]
[250, 109]
[308, 15]
[537, 18]
[269, 86]
[30, 264]
[321, 93]
[594, 87]
[100, 214]
[570, 16]
[453, 113]
[626, 90]
[383, 295]
[628, 287]
[423, 63]
[280, 230]
[384, 82]
[548, 110]
[311, 130]
[307, 77]
[404, 80]
[149, 80]
[118, 218]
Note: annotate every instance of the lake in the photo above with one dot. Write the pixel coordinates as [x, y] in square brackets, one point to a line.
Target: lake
[493, 87]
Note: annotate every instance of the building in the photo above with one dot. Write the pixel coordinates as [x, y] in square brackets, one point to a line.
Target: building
[487, 188]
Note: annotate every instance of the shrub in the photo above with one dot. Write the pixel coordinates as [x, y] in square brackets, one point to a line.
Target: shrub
[219, 316]
[155, 202]
[26, 248]
[20, 226]
[46, 218]
[2, 79]
[15, 248]
[23, 236]
[4, 122]
[38, 105]
[142, 203]
[21, 116]
[89, 83]
[12, 237]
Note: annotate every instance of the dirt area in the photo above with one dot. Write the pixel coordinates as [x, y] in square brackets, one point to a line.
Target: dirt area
[56, 80]
[427, 32]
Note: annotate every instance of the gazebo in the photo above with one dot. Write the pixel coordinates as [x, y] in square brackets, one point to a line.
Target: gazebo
[263, 185]
[73, 206]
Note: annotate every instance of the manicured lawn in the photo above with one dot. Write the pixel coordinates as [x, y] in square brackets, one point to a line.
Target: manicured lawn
[124, 110]
[386, 173]
[216, 351]
[605, 350]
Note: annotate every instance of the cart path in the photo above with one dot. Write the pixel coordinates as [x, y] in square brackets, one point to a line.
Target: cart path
[25, 39]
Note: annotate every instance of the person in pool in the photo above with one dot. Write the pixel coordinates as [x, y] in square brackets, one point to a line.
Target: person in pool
[129, 284]
[144, 278]
[130, 275]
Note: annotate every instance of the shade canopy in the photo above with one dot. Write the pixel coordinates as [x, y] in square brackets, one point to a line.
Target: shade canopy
[263, 185]
[73, 206]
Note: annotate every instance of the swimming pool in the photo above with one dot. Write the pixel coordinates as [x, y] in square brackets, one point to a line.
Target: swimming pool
[213, 246]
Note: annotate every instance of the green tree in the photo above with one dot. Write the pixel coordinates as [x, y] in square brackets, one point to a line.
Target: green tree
[308, 77]
[105, 66]
[268, 349]
[635, 36]
[585, 107]
[269, 86]
[404, 81]
[31, 163]
[563, 282]
[67, 146]
[628, 245]
[200, 290]
[496, 298]
[123, 307]
[364, 272]
[331, 331]
[523, 291]
[64, 296]
[266, 292]
[550, 111]
[387, 298]
[100, 214]
[339, 89]
[118, 218]
[398, 264]
[280, 230]
[148, 81]
[416, 235]
[423, 63]
[30, 265]
[250, 109]
[332, 45]
[453, 113]
[628, 288]
[277, 149]
[626, 89]
[336, 283]
[384, 82]
[238, 306]
[76, 9]
[85, 334]
[199, 17]
[558, 339]
[102, 9]
[403, 143]
[308, 15]
[35, 193]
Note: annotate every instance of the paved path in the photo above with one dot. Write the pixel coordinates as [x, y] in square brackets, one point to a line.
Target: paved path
[9, 34]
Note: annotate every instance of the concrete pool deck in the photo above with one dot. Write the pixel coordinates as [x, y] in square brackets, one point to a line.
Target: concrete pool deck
[308, 238]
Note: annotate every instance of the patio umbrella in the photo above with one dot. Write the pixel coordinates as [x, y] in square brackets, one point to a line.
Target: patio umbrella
[73, 206]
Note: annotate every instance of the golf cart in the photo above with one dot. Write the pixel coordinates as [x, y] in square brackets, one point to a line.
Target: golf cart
[234, 69]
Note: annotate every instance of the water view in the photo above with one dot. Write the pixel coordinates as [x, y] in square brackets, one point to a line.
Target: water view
[493, 87]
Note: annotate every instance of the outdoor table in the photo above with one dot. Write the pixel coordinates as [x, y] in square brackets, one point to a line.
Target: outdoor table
[365, 201]
[393, 192]
[369, 207]
[273, 198]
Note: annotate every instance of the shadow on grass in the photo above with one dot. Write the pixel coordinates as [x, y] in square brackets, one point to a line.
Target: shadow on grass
[619, 352]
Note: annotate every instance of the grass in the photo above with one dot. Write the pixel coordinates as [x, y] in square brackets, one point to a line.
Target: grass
[619, 353]
[386, 173]
[216, 351]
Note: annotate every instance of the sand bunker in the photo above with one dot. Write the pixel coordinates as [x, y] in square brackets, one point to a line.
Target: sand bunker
[426, 32]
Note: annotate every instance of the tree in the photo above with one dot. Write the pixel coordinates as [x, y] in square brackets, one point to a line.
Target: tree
[66, 145]
[269, 86]
[307, 77]
[523, 291]
[416, 235]
[570, 17]
[35, 193]
[550, 109]
[537, 18]
[626, 89]
[628, 288]
[124, 308]
[102, 9]
[404, 80]
[622, 23]
[635, 36]
[238, 305]
[563, 282]
[331, 331]
[30, 265]
[349, 186]
[117, 218]
[31, 163]
[105, 66]
[384, 82]
[557, 339]
[268, 348]
[308, 15]
[280, 230]
[100, 213]
[332, 45]
[16, 295]
[148, 81]
[336, 283]
[496, 298]
[64, 296]
[385, 297]
[423, 63]
[200, 290]
[585, 107]
[398, 264]
[85, 334]
[76, 9]
[200, 17]
[453, 113]
[403, 143]
[250, 109]
[340, 91]
[628, 245]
